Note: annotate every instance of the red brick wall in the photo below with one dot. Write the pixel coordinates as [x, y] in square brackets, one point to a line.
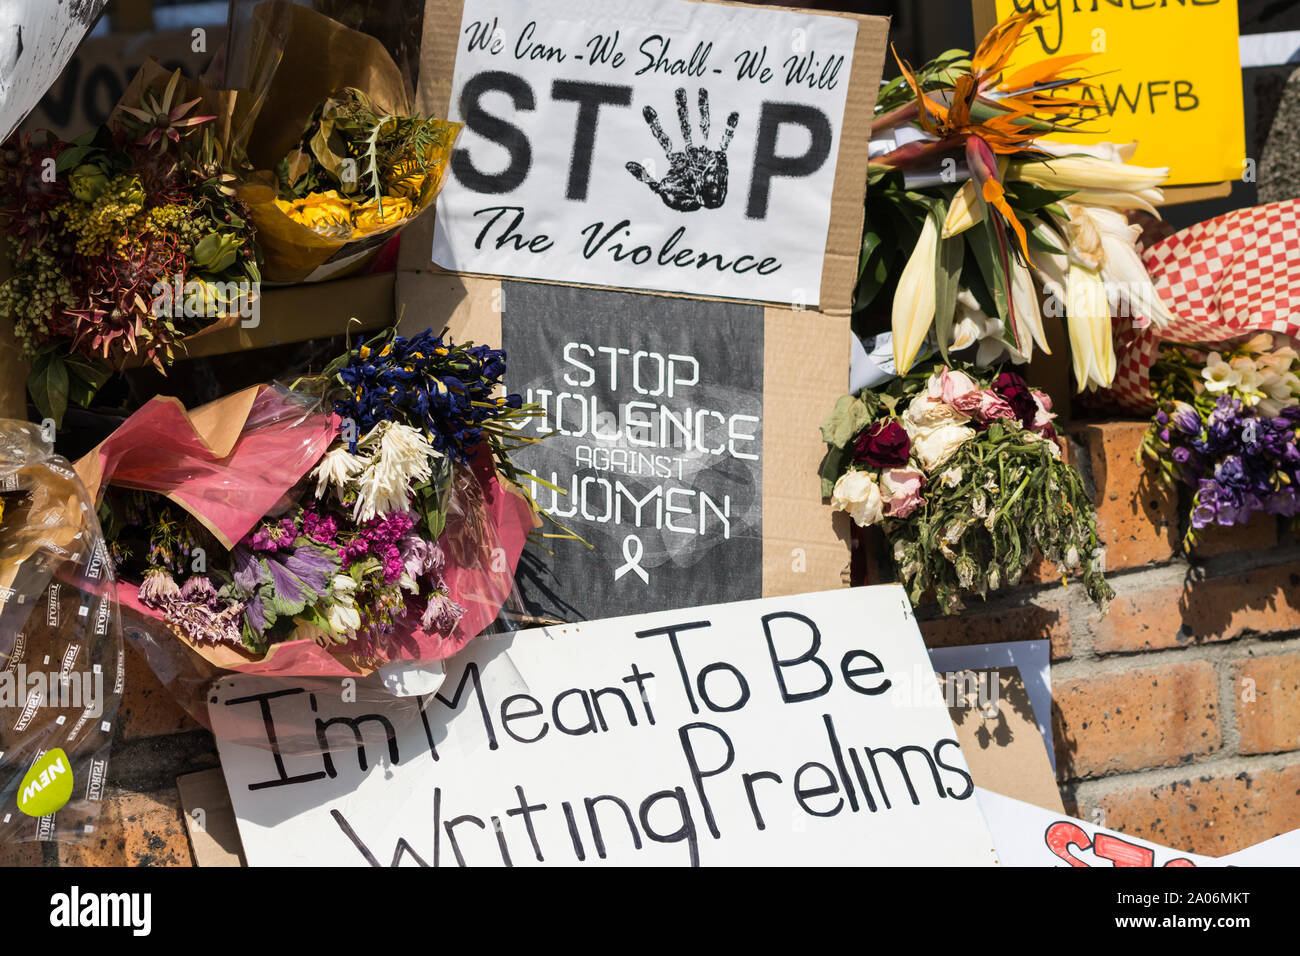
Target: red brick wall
[1176, 715]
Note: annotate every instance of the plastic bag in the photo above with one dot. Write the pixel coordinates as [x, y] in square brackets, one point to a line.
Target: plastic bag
[60, 641]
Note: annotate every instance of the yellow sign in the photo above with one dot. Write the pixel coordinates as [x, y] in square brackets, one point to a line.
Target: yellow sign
[1167, 76]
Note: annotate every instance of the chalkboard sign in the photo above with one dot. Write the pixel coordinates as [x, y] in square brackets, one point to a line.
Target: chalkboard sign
[655, 407]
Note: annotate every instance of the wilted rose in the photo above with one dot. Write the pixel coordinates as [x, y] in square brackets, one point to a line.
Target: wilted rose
[901, 488]
[857, 493]
[882, 445]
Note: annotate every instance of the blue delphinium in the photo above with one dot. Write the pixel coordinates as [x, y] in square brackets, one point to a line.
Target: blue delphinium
[446, 390]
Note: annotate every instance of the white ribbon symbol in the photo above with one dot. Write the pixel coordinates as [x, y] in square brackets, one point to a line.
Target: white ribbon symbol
[632, 556]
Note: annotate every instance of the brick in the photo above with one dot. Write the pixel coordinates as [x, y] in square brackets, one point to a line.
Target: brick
[1134, 719]
[148, 708]
[1212, 815]
[135, 829]
[1268, 709]
[1027, 622]
[1202, 611]
[1258, 534]
[1137, 521]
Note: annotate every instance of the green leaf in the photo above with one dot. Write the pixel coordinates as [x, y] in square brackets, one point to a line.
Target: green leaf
[984, 244]
[849, 416]
[832, 467]
[48, 385]
[947, 280]
[1026, 197]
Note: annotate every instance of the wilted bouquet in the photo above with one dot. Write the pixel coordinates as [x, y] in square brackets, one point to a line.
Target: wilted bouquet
[358, 561]
[359, 170]
[123, 242]
[1227, 427]
[962, 472]
[971, 212]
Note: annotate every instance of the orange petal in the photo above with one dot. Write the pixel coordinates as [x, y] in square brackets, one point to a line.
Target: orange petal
[994, 196]
[1041, 72]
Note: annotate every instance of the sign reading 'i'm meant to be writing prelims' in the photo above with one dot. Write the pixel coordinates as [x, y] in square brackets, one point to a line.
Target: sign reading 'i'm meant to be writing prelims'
[779, 731]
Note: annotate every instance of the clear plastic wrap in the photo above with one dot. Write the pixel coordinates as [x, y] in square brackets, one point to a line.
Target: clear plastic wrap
[61, 648]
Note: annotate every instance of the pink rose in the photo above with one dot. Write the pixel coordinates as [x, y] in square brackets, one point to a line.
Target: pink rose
[901, 489]
[984, 406]
[1044, 415]
[949, 386]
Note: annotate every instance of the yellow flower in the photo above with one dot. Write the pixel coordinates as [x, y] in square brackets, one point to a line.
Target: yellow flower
[409, 187]
[318, 210]
[375, 216]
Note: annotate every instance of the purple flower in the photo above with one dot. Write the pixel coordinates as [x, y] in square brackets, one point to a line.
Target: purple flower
[199, 590]
[441, 614]
[158, 589]
[1185, 419]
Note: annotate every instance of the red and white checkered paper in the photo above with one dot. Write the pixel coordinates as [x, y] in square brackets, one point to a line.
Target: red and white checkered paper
[1223, 279]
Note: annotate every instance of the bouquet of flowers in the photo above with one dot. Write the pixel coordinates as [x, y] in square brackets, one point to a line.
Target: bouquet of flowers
[123, 242]
[366, 514]
[972, 214]
[1227, 426]
[336, 157]
[962, 472]
[359, 170]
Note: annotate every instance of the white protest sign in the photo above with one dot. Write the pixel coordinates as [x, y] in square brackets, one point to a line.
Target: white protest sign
[661, 145]
[1027, 835]
[761, 732]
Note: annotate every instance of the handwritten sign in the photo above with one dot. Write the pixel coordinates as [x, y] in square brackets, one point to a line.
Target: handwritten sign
[661, 145]
[1168, 78]
[655, 449]
[762, 732]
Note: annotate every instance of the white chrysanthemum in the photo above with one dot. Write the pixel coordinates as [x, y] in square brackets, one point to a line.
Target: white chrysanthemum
[336, 469]
[400, 462]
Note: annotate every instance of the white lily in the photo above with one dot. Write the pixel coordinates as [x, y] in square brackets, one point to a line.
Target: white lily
[1092, 351]
[1110, 152]
[965, 210]
[913, 309]
[1094, 181]
[1126, 276]
[1024, 303]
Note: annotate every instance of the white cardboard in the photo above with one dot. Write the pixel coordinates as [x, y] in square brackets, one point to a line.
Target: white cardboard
[602, 224]
[407, 807]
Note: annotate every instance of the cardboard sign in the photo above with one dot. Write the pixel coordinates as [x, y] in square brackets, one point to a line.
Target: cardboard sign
[687, 444]
[1032, 659]
[664, 145]
[1168, 76]
[764, 732]
[994, 720]
[658, 447]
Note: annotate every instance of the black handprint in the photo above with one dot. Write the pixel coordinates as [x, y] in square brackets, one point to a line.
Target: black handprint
[697, 175]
